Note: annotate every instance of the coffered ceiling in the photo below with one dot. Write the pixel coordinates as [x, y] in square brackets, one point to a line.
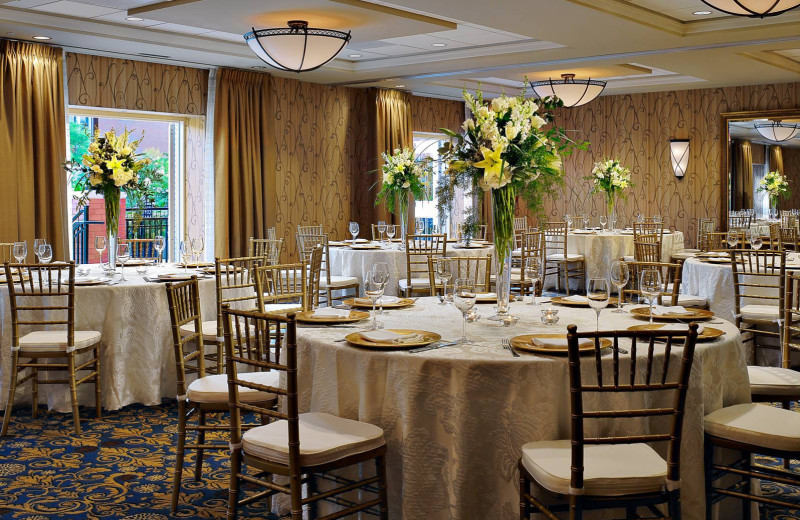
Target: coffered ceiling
[438, 47]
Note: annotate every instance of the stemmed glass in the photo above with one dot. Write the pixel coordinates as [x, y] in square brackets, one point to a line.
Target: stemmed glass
[614, 224]
[45, 254]
[639, 218]
[198, 246]
[123, 255]
[604, 222]
[381, 268]
[185, 251]
[20, 251]
[619, 273]
[755, 239]
[391, 229]
[381, 228]
[159, 244]
[443, 274]
[376, 282]
[586, 220]
[354, 229]
[568, 220]
[733, 239]
[419, 227]
[657, 219]
[597, 294]
[37, 245]
[464, 296]
[650, 286]
[533, 271]
[100, 246]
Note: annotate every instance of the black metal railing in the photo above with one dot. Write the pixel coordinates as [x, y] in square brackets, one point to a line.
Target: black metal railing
[139, 223]
[80, 235]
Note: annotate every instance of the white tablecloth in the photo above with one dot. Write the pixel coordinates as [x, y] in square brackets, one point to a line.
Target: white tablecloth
[455, 418]
[345, 261]
[137, 357]
[714, 282]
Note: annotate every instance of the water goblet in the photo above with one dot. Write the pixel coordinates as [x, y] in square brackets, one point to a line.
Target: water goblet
[159, 244]
[123, 255]
[733, 239]
[45, 253]
[597, 294]
[185, 251]
[354, 230]
[533, 271]
[37, 245]
[443, 273]
[650, 286]
[755, 239]
[381, 229]
[20, 251]
[586, 221]
[382, 268]
[464, 296]
[391, 230]
[374, 286]
[100, 245]
[198, 246]
[620, 274]
[568, 220]
[604, 222]
[658, 219]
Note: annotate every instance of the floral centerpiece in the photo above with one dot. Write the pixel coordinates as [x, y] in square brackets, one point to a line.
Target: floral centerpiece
[403, 174]
[505, 150]
[612, 179]
[775, 186]
[110, 166]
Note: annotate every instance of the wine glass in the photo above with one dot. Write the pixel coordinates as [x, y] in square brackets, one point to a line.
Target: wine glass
[464, 296]
[586, 220]
[354, 229]
[614, 223]
[658, 219]
[123, 255]
[45, 253]
[650, 286]
[419, 227]
[37, 247]
[382, 268]
[755, 239]
[381, 228]
[533, 271]
[198, 246]
[640, 218]
[597, 294]
[185, 251]
[619, 273]
[443, 273]
[375, 283]
[604, 222]
[733, 239]
[100, 245]
[391, 229]
[568, 220]
[20, 251]
[158, 244]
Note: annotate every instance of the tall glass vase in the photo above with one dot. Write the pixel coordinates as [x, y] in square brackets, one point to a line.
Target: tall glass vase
[611, 203]
[403, 218]
[112, 197]
[503, 202]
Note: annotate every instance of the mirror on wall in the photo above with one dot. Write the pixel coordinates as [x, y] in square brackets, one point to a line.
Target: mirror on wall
[757, 144]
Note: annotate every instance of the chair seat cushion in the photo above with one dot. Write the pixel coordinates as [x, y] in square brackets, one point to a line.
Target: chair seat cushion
[209, 330]
[57, 340]
[282, 307]
[569, 257]
[758, 424]
[611, 470]
[323, 438]
[214, 389]
[689, 300]
[415, 282]
[773, 381]
[339, 281]
[760, 312]
[627, 258]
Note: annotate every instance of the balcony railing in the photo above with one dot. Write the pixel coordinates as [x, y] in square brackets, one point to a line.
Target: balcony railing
[139, 223]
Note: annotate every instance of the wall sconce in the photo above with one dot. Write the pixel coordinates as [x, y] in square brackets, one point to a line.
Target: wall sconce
[679, 154]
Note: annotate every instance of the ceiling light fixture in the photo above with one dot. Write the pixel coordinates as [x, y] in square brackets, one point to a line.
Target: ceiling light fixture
[134, 19]
[41, 37]
[753, 8]
[679, 156]
[573, 92]
[702, 13]
[297, 48]
[777, 132]
[355, 55]
[399, 86]
[439, 44]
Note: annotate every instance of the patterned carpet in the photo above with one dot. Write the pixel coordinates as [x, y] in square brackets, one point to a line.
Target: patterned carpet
[121, 468]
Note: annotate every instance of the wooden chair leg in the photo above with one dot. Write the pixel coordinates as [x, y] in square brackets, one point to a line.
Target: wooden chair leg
[12, 390]
[35, 390]
[675, 505]
[575, 507]
[179, 455]
[220, 358]
[747, 487]
[524, 488]
[98, 401]
[380, 467]
[73, 392]
[201, 439]
[708, 461]
[233, 487]
[787, 463]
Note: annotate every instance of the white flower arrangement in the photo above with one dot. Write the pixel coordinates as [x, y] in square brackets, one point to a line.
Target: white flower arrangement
[403, 173]
[610, 178]
[775, 186]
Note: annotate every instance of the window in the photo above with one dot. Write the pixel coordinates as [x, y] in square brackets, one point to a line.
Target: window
[163, 142]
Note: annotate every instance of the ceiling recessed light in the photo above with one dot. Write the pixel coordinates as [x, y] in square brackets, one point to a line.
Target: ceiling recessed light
[41, 37]
[355, 55]
[399, 86]
[134, 19]
[439, 44]
[258, 67]
[701, 13]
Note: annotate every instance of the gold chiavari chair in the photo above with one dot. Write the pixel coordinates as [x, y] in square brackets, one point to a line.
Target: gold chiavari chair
[298, 446]
[7, 252]
[520, 227]
[775, 236]
[531, 246]
[670, 279]
[479, 235]
[739, 223]
[789, 239]
[649, 232]
[557, 260]
[314, 277]
[315, 229]
[647, 249]
[705, 226]
[788, 220]
[475, 268]
[584, 472]
[718, 241]
[207, 393]
[43, 295]
[282, 288]
[269, 248]
[328, 282]
[418, 249]
[143, 248]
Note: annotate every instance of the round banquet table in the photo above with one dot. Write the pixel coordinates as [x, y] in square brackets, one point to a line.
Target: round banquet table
[345, 261]
[455, 418]
[137, 357]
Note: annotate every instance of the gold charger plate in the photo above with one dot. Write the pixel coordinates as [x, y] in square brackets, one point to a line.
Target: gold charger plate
[366, 303]
[525, 342]
[308, 317]
[562, 301]
[358, 340]
[90, 282]
[191, 265]
[709, 333]
[697, 314]
[715, 260]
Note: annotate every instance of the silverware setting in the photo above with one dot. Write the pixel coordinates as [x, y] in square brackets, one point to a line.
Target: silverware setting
[507, 346]
[433, 346]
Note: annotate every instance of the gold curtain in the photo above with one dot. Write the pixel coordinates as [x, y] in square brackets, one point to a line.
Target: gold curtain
[393, 129]
[776, 159]
[743, 175]
[241, 155]
[33, 201]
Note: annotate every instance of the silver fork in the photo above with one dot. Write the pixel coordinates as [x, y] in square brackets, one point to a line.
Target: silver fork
[507, 345]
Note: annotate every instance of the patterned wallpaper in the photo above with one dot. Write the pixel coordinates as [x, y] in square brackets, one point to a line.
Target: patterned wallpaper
[636, 128]
[100, 81]
[791, 167]
[432, 114]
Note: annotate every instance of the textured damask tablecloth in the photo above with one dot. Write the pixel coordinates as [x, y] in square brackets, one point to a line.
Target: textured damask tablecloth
[137, 356]
[455, 418]
[603, 248]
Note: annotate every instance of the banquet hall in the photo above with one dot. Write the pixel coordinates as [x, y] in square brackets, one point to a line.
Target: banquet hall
[319, 259]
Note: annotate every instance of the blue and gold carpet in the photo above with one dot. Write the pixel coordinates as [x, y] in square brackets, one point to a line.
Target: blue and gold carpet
[121, 468]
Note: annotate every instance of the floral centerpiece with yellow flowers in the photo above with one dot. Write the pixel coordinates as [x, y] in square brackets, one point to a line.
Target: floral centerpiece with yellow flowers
[775, 186]
[403, 174]
[612, 179]
[111, 166]
[505, 149]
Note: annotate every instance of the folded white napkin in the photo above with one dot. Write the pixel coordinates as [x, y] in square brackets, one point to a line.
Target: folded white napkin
[382, 300]
[720, 254]
[680, 327]
[559, 342]
[577, 298]
[387, 336]
[486, 295]
[330, 312]
[660, 310]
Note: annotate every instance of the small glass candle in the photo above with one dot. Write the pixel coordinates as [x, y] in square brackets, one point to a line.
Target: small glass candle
[549, 316]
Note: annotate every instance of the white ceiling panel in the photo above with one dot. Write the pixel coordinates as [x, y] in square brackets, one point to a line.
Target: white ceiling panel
[120, 17]
[75, 9]
[389, 50]
[426, 41]
[219, 35]
[178, 28]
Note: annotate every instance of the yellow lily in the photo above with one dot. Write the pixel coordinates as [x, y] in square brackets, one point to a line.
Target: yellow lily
[492, 163]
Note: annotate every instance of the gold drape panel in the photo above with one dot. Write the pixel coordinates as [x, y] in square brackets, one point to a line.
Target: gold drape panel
[743, 175]
[776, 159]
[393, 129]
[33, 201]
[243, 185]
